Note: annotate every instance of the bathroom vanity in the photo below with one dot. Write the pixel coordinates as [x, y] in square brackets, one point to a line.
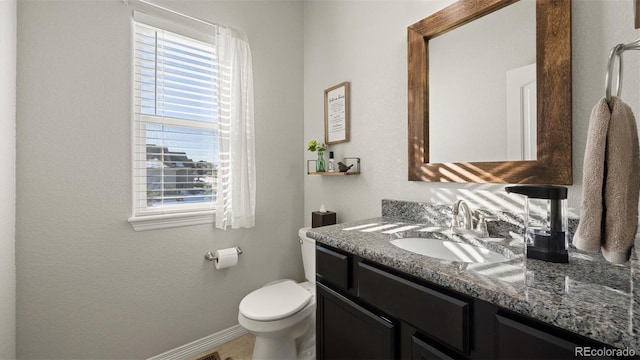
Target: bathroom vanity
[375, 300]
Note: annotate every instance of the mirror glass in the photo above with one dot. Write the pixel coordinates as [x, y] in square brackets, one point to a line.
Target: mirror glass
[482, 88]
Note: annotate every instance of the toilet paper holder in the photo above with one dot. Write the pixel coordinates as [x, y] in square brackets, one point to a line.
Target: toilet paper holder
[211, 257]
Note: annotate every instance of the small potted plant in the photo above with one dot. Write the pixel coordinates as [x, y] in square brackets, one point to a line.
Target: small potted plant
[314, 146]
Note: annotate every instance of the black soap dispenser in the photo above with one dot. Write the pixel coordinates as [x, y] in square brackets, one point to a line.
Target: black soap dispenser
[545, 222]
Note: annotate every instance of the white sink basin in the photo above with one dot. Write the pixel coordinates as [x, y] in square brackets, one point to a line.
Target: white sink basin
[449, 250]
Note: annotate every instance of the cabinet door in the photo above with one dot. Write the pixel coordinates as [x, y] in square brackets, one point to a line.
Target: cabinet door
[346, 330]
[420, 350]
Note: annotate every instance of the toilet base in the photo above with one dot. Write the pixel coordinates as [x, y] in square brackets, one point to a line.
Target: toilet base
[274, 348]
[283, 345]
[306, 344]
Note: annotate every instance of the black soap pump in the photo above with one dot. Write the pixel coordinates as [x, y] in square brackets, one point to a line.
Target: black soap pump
[545, 222]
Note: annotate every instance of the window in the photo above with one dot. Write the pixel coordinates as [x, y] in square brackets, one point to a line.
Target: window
[175, 124]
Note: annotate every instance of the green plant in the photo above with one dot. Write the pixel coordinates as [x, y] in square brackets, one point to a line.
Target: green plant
[314, 146]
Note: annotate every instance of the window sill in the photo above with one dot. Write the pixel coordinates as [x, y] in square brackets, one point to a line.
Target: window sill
[166, 221]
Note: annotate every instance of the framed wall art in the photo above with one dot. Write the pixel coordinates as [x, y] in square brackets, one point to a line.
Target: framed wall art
[336, 114]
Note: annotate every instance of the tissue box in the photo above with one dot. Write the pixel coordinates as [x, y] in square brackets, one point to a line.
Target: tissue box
[322, 218]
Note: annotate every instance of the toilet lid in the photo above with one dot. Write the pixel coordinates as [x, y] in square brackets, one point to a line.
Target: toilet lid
[275, 301]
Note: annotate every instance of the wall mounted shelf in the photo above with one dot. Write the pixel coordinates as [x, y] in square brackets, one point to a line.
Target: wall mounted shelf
[355, 169]
[335, 173]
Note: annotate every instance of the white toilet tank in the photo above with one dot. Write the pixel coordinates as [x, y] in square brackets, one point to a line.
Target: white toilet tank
[308, 247]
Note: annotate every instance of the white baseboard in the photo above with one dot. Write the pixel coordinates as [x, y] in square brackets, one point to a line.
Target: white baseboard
[199, 346]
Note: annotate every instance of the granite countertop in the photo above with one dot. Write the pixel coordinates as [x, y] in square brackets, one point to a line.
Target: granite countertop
[588, 296]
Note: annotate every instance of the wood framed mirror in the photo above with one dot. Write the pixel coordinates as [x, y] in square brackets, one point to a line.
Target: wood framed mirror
[553, 163]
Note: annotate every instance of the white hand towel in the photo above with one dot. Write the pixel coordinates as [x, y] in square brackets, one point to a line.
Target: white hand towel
[611, 183]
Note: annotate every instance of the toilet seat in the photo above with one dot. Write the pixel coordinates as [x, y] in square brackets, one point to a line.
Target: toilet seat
[275, 301]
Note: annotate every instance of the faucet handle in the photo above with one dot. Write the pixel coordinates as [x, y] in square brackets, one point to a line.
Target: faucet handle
[482, 223]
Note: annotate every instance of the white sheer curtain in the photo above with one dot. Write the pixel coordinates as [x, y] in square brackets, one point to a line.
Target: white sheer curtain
[236, 191]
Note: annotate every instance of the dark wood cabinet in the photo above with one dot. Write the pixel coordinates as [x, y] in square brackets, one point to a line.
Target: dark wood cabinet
[421, 350]
[346, 330]
[368, 311]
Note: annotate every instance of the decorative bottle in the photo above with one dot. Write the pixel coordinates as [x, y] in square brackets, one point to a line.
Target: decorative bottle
[332, 164]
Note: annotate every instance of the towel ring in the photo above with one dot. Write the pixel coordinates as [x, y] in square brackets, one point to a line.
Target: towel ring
[615, 52]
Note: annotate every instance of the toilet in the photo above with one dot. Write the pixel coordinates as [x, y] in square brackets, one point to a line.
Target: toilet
[281, 314]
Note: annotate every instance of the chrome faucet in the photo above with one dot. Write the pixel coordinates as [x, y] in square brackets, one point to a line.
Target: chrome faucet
[466, 220]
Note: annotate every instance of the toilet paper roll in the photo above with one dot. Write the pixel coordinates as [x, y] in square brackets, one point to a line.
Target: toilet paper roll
[226, 258]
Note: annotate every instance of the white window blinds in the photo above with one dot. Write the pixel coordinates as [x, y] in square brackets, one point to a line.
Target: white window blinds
[175, 123]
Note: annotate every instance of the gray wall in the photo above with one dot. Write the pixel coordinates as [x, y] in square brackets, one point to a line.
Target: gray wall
[7, 179]
[91, 287]
[88, 285]
[364, 42]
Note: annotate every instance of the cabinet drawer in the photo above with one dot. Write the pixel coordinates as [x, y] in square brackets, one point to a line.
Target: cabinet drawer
[332, 267]
[435, 314]
[517, 340]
